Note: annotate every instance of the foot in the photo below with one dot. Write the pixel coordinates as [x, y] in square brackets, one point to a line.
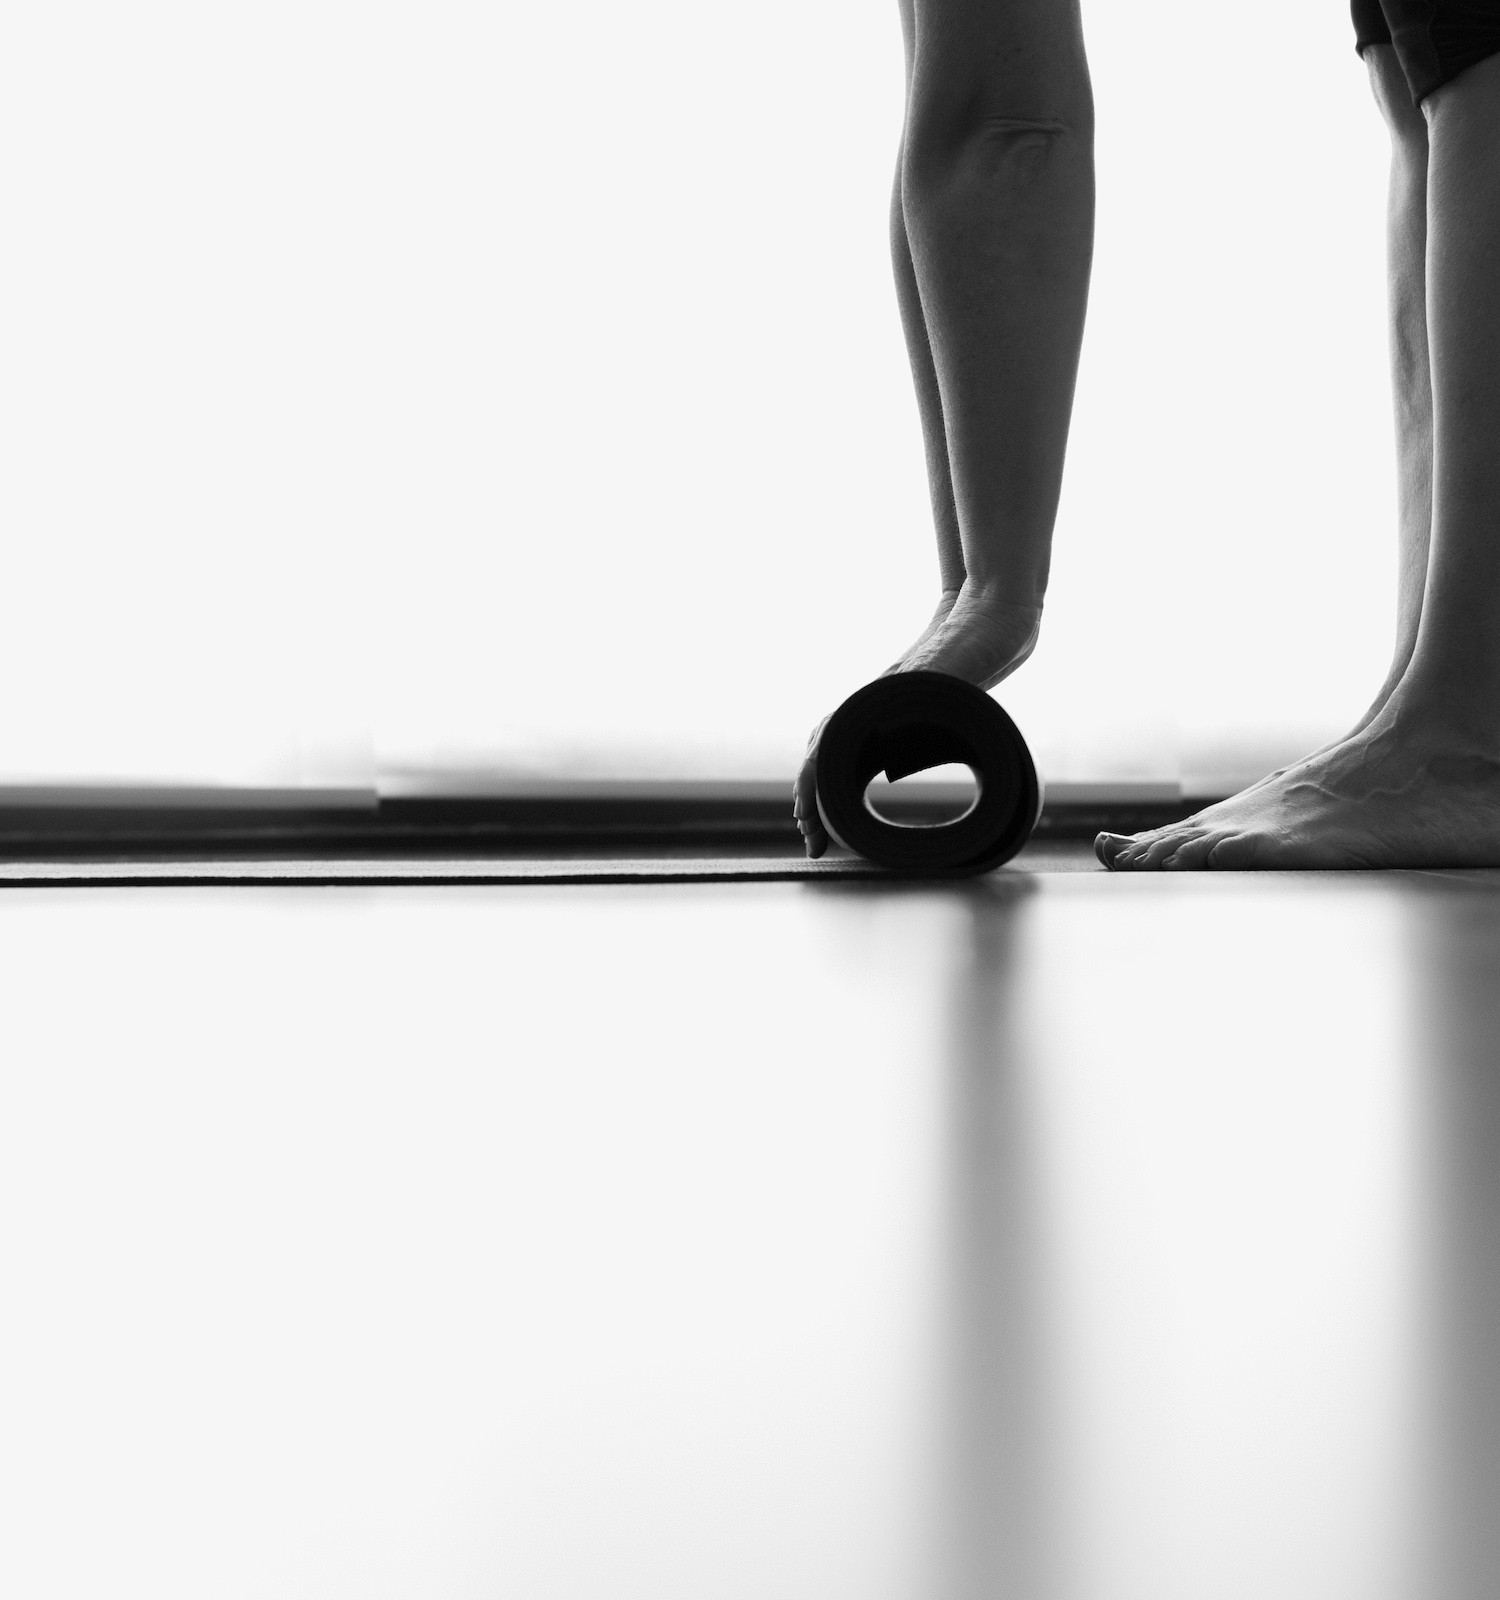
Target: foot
[1404, 792]
[977, 637]
[973, 636]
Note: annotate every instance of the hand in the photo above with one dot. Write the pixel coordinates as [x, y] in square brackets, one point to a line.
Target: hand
[805, 798]
[973, 635]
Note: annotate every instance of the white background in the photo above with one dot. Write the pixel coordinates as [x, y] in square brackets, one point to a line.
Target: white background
[464, 388]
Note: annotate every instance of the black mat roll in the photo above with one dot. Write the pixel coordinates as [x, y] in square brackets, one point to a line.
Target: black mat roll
[905, 723]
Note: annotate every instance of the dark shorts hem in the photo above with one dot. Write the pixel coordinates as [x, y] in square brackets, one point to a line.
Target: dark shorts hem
[1435, 40]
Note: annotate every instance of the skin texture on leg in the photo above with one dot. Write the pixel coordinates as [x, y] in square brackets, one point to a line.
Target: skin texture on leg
[1411, 377]
[1457, 659]
[998, 195]
[919, 351]
[929, 398]
[1419, 785]
[992, 243]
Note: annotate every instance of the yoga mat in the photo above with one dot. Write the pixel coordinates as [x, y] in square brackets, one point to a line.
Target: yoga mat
[312, 872]
[389, 870]
[906, 723]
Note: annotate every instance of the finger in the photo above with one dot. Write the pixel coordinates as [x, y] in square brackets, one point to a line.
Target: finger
[805, 791]
[805, 808]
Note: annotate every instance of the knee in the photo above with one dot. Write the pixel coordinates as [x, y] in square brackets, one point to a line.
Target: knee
[987, 73]
[1000, 138]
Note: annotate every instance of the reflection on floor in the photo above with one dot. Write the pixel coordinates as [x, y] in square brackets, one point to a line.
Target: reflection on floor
[1055, 1235]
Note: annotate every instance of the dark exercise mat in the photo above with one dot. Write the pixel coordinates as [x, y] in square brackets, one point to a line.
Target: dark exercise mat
[901, 725]
[422, 869]
[906, 723]
[313, 872]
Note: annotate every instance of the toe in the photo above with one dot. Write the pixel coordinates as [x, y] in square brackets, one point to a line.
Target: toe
[1107, 846]
[1122, 851]
[1128, 857]
[1192, 854]
[1232, 852]
[1158, 850]
[1163, 847]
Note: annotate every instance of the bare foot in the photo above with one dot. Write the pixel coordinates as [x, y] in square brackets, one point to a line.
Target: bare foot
[973, 635]
[944, 610]
[981, 639]
[1404, 792]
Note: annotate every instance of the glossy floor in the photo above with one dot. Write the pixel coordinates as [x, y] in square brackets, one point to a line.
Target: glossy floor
[1059, 1235]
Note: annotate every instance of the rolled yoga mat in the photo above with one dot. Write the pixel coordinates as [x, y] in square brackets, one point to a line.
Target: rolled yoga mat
[905, 723]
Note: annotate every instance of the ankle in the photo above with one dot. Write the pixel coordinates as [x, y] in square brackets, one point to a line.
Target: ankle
[1444, 715]
[997, 597]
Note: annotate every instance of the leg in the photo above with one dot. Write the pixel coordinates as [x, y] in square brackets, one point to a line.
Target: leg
[992, 253]
[919, 351]
[1411, 388]
[1420, 785]
[924, 378]
[1456, 664]
[989, 240]
[1411, 378]
[997, 195]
